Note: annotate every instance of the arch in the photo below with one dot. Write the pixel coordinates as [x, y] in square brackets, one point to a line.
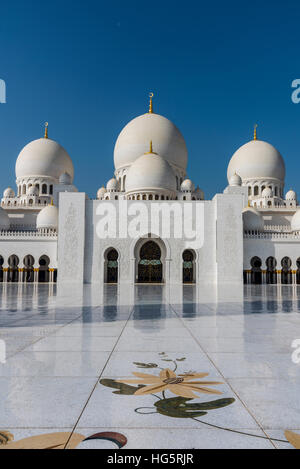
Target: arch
[298, 271]
[111, 265]
[271, 274]
[256, 272]
[13, 269]
[44, 188]
[150, 268]
[1, 268]
[44, 262]
[286, 273]
[28, 262]
[255, 190]
[188, 266]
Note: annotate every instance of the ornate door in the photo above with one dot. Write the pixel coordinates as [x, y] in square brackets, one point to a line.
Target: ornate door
[150, 265]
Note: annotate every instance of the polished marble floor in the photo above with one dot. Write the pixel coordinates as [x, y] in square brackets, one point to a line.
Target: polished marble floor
[67, 347]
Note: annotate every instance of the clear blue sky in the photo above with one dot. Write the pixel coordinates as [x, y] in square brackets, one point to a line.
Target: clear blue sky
[87, 67]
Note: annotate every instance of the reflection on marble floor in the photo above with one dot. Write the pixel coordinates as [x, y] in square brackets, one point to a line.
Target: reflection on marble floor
[67, 351]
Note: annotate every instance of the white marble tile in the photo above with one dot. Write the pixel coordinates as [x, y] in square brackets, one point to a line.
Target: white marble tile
[73, 344]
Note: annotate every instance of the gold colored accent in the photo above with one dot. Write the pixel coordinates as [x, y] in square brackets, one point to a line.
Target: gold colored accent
[5, 269]
[249, 203]
[294, 271]
[21, 270]
[150, 103]
[46, 130]
[150, 149]
[36, 270]
[255, 132]
[51, 270]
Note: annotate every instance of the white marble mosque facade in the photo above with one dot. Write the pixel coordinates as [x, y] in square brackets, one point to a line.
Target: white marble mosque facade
[48, 229]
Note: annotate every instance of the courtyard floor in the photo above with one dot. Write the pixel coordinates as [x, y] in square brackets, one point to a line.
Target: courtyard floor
[66, 349]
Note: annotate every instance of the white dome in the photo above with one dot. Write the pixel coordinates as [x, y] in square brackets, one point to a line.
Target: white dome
[101, 192]
[150, 172]
[112, 185]
[235, 180]
[187, 186]
[252, 219]
[48, 218]
[291, 195]
[267, 192]
[134, 140]
[295, 222]
[33, 191]
[65, 179]
[9, 193]
[44, 157]
[257, 159]
[4, 220]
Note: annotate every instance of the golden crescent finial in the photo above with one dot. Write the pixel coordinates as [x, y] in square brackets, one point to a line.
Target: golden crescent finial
[150, 104]
[46, 130]
[255, 132]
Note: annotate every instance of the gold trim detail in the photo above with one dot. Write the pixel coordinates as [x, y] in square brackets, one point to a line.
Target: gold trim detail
[150, 103]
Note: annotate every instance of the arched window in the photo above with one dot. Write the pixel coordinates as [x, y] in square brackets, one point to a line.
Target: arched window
[150, 197]
[24, 189]
[256, 274]
[44, 189]
[298, 271]
[112, 266]
[156, 197]
[249, 190]
[188, 268]
[255, 190]
[51, 189]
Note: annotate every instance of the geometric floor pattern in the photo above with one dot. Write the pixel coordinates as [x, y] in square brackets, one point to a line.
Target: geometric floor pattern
[67, 349]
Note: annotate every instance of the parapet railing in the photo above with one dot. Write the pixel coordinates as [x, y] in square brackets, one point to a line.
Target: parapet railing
[252, 234]
[28, 234]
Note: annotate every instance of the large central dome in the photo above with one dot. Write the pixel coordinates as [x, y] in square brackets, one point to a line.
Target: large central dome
[134, 140]
[44, 157]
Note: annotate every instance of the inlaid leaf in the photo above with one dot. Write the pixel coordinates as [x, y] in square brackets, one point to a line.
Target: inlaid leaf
[293, 438]
[5, 437]
[181, 408]
[47, 441]
[122, 388]
[180, 359]
[145, 365]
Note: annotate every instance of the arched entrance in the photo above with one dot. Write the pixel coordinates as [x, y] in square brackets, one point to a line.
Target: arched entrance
[298, 271]
[150, 264]
[188, 267]
[271, 276]
[44, 262]
[256, 274]
[13, 270]
[112, 266]
[28, 269]
[286, 273]
[1, 268]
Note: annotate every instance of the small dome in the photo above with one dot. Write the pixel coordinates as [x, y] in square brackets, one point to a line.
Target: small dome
[4, 220]
[112, 185]
[48, 218]
[101, 192]
[8, 193]
[43, 157]
[257, 159]
[252, 219]
[235, 180]
[33, 191]
[187, 186]
[267, 192]
[150, 172]
[65, 179]
[295, 222]
[291, 195]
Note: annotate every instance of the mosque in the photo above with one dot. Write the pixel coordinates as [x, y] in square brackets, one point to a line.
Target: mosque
[48, 229]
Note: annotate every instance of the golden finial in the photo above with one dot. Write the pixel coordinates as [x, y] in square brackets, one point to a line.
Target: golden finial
[249, 204]
[51, 203]
[46, 130]
[255, 133]
[150, 104]
[151, 149]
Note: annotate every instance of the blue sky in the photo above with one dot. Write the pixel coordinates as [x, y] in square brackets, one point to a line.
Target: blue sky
[87, 67]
